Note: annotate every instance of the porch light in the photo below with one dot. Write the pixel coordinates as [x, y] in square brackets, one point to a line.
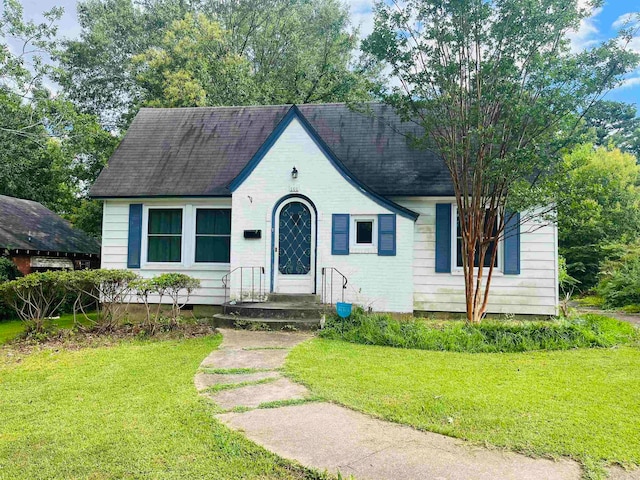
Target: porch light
[294, 173]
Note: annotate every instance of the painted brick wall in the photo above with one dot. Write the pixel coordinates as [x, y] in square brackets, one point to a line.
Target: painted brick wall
[383, 283]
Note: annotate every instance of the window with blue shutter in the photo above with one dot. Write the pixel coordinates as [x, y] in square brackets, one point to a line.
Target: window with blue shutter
[340, 234]
[387, 234]
[443, 238]
[512, 244]
[135, 235]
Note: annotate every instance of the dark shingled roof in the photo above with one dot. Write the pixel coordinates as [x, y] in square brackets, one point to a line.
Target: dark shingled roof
[199, 151]
[28, 225]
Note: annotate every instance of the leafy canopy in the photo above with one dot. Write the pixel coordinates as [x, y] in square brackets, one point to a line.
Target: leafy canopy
[193, 66]
[615, 123]
[202, 52]
[598, 206]
[49, 152]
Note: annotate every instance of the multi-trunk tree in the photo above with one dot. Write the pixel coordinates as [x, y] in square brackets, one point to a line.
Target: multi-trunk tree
[498, 92]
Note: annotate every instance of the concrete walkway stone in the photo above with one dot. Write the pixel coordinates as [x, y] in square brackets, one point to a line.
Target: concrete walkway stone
[206, 380]
[258, 359]
[243, 339]
[327, 436]
[330, 437]
[253, 396]
[617, 473]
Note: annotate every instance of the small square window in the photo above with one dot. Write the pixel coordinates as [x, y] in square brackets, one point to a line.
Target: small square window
[364, 232]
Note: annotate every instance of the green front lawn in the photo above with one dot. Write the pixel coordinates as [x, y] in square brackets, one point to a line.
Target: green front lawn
[10, 329]
[581, 403]
[125, 411]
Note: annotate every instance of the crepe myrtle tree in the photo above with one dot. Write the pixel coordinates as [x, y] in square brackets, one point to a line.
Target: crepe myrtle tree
[498, 91]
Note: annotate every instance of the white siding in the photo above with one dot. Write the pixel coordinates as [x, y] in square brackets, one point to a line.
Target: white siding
[534, 291]
[383, 283]
[115, 230]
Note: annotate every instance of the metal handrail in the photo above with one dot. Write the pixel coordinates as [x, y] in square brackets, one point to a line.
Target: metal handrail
[225, 282]
[328, 277]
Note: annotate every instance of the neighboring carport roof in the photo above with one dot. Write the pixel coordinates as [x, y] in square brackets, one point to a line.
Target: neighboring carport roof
[176, 152]
[28, 225]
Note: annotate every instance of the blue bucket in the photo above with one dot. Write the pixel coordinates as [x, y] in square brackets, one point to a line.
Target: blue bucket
[343, 309]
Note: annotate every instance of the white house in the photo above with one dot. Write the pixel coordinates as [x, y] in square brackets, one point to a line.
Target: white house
[289, 199]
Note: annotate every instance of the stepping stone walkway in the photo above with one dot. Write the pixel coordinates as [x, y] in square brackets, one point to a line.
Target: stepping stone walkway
[328, 437]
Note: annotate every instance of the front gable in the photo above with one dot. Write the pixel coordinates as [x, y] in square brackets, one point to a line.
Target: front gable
[295, 114]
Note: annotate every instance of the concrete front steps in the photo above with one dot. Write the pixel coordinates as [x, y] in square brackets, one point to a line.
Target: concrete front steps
[279, 312]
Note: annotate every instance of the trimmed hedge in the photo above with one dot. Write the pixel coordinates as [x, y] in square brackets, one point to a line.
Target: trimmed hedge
[489, 336]
[39, 296]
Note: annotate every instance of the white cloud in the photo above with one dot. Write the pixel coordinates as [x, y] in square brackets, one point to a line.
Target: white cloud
[587, 34]
[626, 20]
[633, 81]
[362, 16]
[68, 25]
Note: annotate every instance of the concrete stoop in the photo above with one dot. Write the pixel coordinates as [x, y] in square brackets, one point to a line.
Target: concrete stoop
[281, 312]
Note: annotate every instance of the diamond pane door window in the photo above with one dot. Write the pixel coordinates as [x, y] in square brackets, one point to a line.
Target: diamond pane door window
[294, 239]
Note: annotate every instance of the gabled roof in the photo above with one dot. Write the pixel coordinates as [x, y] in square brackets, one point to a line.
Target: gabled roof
[28, 225]
[200, 151]
[294, 113]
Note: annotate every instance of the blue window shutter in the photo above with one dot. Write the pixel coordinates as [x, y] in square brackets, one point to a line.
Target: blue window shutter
[387, 234]
[135, 235]
[512, 244]
[340, 234]
[443, 238]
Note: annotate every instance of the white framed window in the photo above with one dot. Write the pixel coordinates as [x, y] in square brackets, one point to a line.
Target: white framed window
[456, 246]
[213, 235]
[164, 238]
[364, 234]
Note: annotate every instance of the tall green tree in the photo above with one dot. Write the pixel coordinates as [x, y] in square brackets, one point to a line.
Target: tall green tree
[132, 52]
[300, 51]
[615, 123]
[598, 207]
[496, 88]
[95, 69]
[49, 152]
[30, 166]
[194, 66]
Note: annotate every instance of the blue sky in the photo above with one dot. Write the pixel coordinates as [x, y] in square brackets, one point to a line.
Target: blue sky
[600, 26]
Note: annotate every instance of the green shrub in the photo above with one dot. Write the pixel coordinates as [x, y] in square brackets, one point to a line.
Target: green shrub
[177, 286]
[35, 297]
[485, 337]
[110, 289]
[620, 281]
[39, 296]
